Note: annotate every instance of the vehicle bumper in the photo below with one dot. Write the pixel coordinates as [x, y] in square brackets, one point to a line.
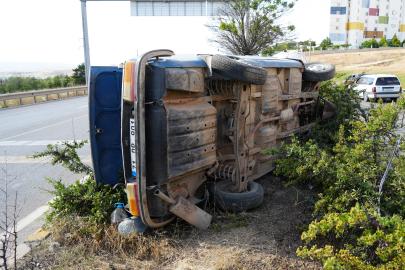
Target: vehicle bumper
[389, 95]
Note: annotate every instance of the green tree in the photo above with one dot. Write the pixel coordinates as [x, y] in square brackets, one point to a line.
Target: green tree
[383, 42]
[267, 52]
[49, 82]
[287, 45]
[369, 43]
[395, 41]
[57, 81]
[79, 77]
[326, 43]
[247, 27]
[66, 81]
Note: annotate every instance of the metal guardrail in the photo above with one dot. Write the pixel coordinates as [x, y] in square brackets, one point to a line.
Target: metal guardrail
[47, 92]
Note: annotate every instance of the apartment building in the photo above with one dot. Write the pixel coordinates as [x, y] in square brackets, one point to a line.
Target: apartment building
[355, 21]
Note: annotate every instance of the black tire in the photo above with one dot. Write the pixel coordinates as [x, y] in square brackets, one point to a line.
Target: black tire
[236, 70]
[365, 97]
[326, 72]
[225, 200]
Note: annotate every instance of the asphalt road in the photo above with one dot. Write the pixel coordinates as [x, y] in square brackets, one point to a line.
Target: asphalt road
[27, 130]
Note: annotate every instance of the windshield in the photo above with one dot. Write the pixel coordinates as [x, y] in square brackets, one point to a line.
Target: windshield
[388, 81]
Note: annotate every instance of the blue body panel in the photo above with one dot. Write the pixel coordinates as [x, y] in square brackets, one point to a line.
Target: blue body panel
[269, 62]
[193, 61]
[105, 115]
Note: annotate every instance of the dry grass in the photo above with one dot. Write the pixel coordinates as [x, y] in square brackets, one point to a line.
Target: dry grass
[263, 238]
[344, 63]
[341, 60]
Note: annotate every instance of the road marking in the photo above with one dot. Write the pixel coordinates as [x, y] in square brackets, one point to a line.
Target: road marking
[17, 185]
[82, 107]
[70, 120]
[24, 159]
[27, 143]
[86, 159]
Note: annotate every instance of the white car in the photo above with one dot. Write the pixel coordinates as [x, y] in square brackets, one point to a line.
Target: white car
[376, 86]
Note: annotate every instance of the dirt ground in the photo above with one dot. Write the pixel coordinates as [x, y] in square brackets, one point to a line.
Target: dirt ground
[341, 60]
[264, 238]
[344, 63]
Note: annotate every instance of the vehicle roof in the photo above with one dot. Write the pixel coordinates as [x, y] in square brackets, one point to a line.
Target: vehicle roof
[193, 60]
[378, 75]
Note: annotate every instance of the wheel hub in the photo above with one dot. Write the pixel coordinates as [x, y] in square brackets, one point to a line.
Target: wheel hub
[316, 67]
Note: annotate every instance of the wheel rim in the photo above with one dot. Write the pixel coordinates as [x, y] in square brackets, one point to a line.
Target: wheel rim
[317, 67]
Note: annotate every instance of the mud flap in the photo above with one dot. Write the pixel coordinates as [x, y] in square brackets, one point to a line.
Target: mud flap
[329, 109]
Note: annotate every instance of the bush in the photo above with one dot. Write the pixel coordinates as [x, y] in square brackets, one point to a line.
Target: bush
[346, 158]
[84, 199]
[361, 240]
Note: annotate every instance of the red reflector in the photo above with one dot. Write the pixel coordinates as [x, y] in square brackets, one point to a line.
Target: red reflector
[374, 89]
[400, 89]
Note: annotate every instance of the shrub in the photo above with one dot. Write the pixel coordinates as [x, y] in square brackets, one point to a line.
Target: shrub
[361, 240]
[346, 158]
[84, 198]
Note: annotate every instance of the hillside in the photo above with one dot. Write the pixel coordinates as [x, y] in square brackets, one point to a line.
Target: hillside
[341, 60]
[34, 69]
[345, 63]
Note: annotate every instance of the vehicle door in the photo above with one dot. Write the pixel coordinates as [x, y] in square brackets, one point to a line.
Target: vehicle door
[361, 86]
[105, 123]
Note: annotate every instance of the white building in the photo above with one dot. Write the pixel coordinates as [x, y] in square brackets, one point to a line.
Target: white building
[353, 22]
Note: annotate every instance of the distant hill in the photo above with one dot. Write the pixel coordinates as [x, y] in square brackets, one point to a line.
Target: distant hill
[36, 69]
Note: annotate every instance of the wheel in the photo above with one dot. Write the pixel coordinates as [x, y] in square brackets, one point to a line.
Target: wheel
[238, 70]
[228, 201]
[318, 72]
[365, 97]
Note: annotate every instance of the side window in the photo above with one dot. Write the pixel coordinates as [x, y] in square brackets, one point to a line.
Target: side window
[370, 81]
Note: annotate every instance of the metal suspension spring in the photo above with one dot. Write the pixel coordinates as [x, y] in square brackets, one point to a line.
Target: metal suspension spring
[226, 172]
[220, 87]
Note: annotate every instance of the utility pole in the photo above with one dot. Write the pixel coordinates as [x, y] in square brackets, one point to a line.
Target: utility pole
[310, 48]
[86, 42]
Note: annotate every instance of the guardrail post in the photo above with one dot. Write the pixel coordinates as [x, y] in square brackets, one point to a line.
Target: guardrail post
[58, 96]
[4, 103]
[47, 98]
[76, 93]
[20, 101]
[67, 94]
[35, 99]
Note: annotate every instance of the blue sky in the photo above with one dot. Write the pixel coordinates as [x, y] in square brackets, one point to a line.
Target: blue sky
[51, 30]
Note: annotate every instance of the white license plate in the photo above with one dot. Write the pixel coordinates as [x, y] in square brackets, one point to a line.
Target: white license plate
[133, 149]
[387, 89]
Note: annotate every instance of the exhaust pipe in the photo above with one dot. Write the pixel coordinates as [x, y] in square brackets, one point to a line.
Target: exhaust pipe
[187, 211]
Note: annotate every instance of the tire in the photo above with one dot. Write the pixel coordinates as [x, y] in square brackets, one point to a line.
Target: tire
[365, 97]
[236, 70]
[318, 72]
[233, 202]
